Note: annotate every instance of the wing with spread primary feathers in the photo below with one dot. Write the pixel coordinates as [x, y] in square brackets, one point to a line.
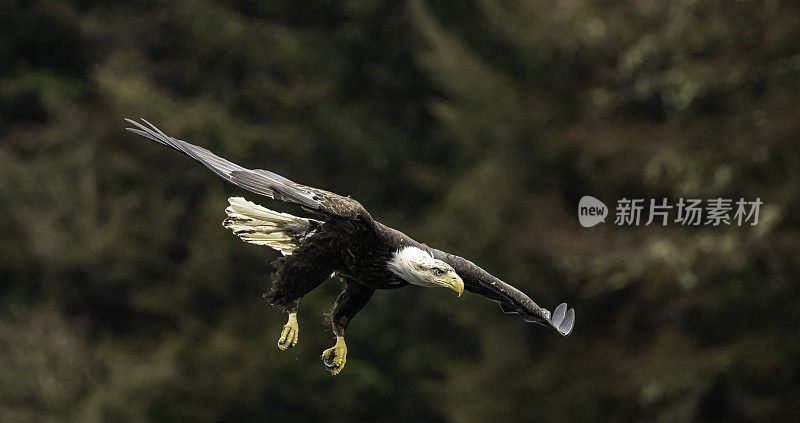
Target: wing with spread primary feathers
[259, 181]
[511, 300]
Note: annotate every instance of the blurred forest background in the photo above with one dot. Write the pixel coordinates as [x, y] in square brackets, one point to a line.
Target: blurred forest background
[474, 126]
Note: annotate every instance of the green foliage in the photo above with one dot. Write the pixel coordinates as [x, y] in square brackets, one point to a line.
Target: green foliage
[473, 126]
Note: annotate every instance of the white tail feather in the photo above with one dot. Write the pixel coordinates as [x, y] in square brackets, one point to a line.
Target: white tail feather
[259, 225]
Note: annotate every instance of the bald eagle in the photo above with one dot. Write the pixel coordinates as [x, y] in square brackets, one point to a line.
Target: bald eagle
[343, 240]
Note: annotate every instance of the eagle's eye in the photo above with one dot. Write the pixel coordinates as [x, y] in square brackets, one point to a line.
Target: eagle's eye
[438, 272]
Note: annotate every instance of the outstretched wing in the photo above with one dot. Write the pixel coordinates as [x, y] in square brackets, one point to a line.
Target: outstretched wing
[511, 300]
[259, 181]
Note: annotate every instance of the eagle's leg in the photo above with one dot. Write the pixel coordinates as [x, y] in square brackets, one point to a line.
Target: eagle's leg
[350, 302]
[296, 276]
[291, 330]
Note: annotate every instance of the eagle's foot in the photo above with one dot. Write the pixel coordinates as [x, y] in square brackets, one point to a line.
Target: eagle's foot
[336, 356]
[290, 333]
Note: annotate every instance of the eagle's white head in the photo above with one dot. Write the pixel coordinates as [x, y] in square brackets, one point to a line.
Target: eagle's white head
[417, 267]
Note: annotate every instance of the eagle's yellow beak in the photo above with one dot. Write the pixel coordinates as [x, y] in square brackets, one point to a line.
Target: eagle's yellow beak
[453, 282]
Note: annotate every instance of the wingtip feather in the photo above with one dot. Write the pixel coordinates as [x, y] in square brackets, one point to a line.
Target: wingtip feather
[558, 315]
[563, 320]
[567, 323]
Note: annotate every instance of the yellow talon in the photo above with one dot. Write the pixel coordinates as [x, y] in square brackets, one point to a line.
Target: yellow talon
[290, 333]
[336, 356]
